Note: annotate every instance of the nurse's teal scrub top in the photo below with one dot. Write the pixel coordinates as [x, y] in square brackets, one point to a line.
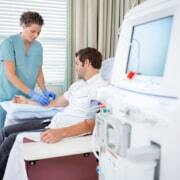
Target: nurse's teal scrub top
[27, 64]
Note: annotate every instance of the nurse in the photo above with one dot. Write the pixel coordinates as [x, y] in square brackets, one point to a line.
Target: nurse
[21, 57]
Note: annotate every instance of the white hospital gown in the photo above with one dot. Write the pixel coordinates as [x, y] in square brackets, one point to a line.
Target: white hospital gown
[79, 96]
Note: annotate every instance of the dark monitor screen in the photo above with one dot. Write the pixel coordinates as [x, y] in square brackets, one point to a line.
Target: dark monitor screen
[149, 47]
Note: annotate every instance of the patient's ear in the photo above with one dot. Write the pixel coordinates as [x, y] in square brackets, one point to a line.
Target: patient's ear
[87, 62]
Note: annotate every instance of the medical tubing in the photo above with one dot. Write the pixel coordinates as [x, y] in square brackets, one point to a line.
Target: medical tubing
[93, 143]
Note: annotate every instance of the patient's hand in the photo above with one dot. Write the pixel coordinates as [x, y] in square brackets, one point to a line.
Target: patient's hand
[52, 135]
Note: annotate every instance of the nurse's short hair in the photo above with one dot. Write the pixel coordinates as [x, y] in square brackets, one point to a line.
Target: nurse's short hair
[28, 18]
[92, 54]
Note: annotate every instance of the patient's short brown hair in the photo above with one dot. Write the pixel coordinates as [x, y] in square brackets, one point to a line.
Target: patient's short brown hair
[92, 54]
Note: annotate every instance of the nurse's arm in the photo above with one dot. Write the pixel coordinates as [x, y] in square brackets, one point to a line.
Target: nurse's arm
[55, 135]
[10, 70]
[40, 79]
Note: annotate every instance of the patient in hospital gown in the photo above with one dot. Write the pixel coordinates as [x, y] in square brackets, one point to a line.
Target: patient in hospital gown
[77, 118]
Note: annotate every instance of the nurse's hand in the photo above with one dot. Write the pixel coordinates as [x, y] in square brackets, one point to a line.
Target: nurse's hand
[49, 94]
[41, 99]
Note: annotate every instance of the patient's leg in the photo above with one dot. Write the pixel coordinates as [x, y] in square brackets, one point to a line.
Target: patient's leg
[21, 127]
[9, 134]
[23, 100]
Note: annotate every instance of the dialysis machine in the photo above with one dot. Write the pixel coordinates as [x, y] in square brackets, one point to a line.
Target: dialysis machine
[138, 132]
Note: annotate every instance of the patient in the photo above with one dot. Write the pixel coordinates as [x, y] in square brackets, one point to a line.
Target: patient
[78, 116]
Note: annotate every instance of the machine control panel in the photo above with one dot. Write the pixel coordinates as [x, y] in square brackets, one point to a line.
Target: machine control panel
[140, 108]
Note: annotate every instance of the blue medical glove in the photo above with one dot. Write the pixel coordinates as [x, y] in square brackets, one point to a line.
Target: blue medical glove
[41, 99]
[49, 94]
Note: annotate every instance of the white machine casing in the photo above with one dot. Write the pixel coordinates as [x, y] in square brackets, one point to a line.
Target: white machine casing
[146, 12]
[149, 105]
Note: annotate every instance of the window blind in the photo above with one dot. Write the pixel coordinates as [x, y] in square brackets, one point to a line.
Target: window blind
[53, 36]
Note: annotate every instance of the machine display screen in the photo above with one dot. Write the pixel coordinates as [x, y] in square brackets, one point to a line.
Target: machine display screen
[149, 47]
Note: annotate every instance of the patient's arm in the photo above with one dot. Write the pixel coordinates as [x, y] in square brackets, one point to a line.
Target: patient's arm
[59, 102]
[55, 135]
[23, 100]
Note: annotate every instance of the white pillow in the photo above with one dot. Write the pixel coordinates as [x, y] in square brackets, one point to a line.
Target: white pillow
[106, 69]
